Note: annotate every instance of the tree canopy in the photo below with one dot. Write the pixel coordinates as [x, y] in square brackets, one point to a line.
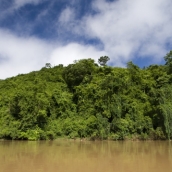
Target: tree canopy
[84, 99]
[103, 60]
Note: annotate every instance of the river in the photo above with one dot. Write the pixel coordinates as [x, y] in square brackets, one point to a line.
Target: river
[85, 156]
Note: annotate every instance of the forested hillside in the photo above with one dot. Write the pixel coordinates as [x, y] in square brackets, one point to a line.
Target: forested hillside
[88, 100]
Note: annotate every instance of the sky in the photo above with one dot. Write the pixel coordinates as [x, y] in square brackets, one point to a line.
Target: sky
[36, 32]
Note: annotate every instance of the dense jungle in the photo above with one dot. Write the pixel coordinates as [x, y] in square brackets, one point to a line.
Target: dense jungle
[88, 99]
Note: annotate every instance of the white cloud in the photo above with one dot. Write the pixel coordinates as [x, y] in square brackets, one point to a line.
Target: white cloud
[20, 3]
[22, 55]
[68, 22]
[73, 51]
[67, 15]
[127, 29]
[15, 5]
[131, 28]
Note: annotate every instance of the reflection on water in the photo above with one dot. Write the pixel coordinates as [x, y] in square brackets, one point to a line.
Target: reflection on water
[86, 156]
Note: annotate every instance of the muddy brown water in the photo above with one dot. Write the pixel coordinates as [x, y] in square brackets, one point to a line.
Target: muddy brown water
[85, 156]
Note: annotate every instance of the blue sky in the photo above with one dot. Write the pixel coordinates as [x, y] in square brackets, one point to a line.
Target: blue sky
[34, 32]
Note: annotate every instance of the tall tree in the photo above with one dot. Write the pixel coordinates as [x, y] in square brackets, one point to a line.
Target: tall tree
[168, 60]
[103, 60]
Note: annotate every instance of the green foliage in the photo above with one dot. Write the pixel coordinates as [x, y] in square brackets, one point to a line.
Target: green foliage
[166, 108]
[168, 60]
[74, 74]
[87, 100]
[103, 60]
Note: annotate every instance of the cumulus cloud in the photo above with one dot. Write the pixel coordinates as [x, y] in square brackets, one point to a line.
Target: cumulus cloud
[22, 54]
[73, 51]
[130, 29]
[126, 30]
